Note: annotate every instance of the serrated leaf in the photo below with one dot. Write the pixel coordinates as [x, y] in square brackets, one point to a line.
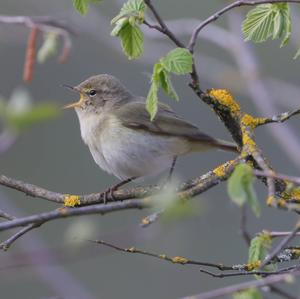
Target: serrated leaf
[248, 294]
[259, 247]
[37, 114]
[48, 48]
[258, 25]
[126, 28]
[178, 61]
[132, 40]
[152, 100]
[118, 26]
[167, 85]
[132, 8]
[82, 6]
[268, 21]
[240, 187]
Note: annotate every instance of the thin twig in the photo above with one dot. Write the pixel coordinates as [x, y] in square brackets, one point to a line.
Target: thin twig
[44, 24]
[224, 10]
[244, 286]
[249, 273]
[243, 227]
[163, 27]
[239, 270]
[280, 246]
[71, 212]
[281, 234]
[7, 243]
[274, 175]
[176, 259]
[6, 215]
[282, 293]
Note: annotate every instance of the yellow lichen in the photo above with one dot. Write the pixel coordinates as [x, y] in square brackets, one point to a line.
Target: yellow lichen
[220, 170]
[71, 200]
[145, 221]
[295, 194]
[248, 141]
[270, 201]
[163, 256]
[253, 266]
[225, 98]
[252, 122]
[179, 260]
[291, 193]
[131, 249]
[281, 203]
[295, 252]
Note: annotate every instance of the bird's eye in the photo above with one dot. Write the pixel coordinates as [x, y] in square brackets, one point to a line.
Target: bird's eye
[92, 92]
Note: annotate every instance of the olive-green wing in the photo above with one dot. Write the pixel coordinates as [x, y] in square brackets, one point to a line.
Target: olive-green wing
[134, 115]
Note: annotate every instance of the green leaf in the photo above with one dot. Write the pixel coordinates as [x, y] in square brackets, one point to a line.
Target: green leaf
[259, 247]
[268, 21]
[297, 54]
[167, 85]
[82, 6]
[118, 26]
[178, 61]
[132, 8]
[132, 40]
[248, 294]
[127, 29]
[37, 114]
[152, 99]
[240, 187]
[48, 48]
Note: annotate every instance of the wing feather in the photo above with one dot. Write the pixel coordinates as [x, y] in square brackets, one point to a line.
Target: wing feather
[135, 116]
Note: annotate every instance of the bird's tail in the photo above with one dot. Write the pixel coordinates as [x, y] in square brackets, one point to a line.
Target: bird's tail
[199, 146]
[226, 145]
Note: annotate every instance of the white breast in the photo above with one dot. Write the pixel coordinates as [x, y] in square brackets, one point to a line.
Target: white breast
[125, 152]
[90, 127]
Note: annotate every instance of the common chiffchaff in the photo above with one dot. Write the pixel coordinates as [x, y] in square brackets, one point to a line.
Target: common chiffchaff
[123, 140]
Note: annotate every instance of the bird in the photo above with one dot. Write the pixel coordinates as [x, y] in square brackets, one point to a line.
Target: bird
[124, 141]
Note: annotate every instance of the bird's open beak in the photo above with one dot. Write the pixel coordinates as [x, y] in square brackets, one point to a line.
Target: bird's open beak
[76, 104]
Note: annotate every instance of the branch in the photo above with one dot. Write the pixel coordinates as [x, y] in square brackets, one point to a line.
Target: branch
[279, 176]
[281, 234]
[280, 246]
[245, 285]
[281, 292]
[175, 260]
[224, 10]
[188, 189]
[6, 215]
[240, 270]
[163, 27]
[65, 212]
[6, 244]
[41, 24]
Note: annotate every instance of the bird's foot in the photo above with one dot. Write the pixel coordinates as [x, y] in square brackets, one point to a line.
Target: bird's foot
[109, 193]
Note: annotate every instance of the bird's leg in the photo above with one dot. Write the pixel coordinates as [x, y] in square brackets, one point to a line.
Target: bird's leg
[110, 190]
[172, 169]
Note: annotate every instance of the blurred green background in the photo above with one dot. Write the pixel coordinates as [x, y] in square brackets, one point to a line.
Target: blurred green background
[56, 261]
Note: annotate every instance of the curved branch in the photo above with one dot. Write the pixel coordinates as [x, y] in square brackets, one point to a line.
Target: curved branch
[224, 10]
[64, 212]
[244, 286]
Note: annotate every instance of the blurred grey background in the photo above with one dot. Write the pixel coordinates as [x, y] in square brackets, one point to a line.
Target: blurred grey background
[56, 261]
